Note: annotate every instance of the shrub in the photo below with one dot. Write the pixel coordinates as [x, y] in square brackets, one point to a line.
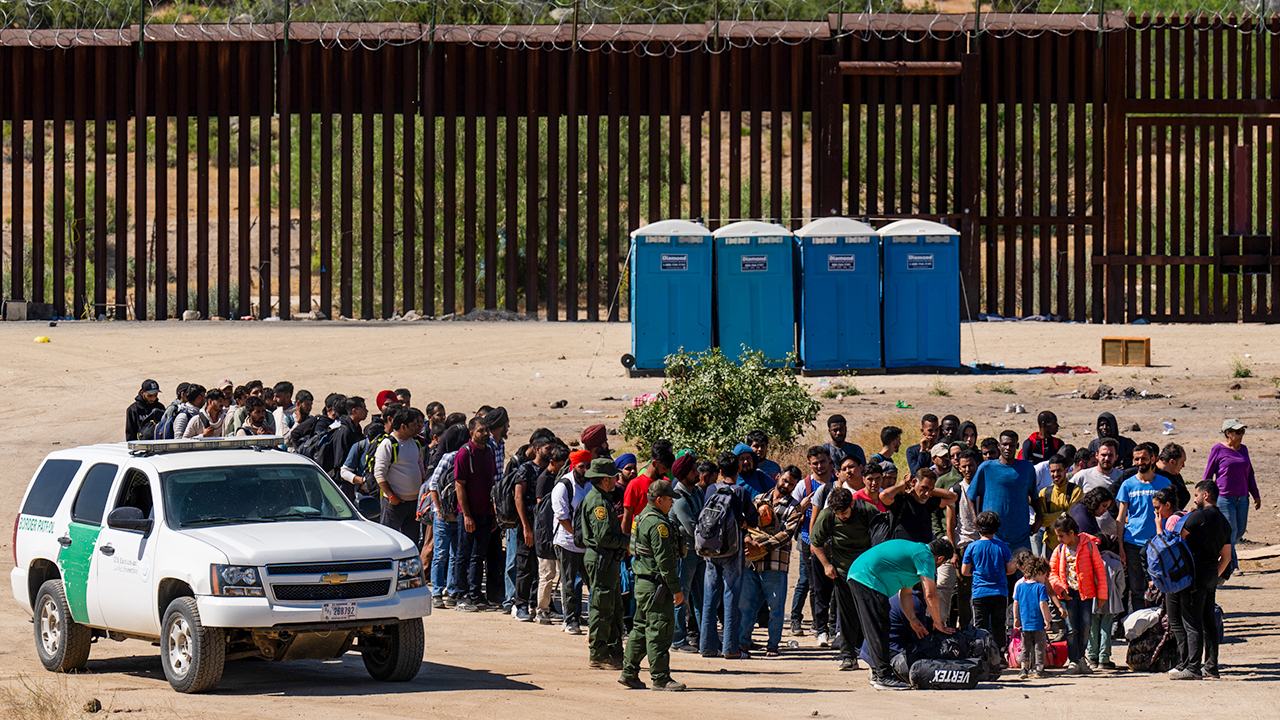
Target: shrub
[1240, 368]
[939, 388]
[710, 403]
[1003, 387]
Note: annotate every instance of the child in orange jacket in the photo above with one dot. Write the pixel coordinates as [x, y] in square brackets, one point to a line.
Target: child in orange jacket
[1077, 575]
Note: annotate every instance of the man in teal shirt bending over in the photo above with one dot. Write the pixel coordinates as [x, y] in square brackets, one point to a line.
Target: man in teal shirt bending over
[895, 566]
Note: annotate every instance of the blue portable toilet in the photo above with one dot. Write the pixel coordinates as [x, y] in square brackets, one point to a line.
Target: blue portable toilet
[670, 292]
[921, 294]
[755, 289]
[840, 304]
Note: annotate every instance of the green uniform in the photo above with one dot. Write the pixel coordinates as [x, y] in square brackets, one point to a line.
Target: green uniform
[655, 547]
[604, 543]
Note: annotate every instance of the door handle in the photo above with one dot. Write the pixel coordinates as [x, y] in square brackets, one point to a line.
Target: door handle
[64, 541]
[107, 550]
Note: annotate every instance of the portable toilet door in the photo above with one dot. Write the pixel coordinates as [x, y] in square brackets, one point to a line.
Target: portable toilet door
[840, 295]
[921, 294]
[670, 291]
[755, 298]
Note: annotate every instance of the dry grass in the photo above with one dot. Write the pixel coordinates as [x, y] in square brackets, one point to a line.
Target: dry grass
[25, 699]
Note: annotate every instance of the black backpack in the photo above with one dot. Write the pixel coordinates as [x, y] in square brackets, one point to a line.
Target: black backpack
[544, 523]
[448, 491]
[882, 527]
[983, 649]
[319, 447]
[717, 534]
[503, 495]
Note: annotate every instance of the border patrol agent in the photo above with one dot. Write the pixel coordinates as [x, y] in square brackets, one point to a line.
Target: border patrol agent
[657, 547]
[605, 544]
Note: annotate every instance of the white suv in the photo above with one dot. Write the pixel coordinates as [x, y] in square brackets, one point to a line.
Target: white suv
[215, 550]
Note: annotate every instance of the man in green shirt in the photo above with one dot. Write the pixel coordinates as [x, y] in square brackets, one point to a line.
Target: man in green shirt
[840, 534]
[605, 546]
[656, 547]
[895, 566]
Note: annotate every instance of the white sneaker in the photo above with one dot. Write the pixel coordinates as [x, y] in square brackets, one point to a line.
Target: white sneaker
[823, 640]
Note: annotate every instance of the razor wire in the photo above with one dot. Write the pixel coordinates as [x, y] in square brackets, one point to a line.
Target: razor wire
[651, 26]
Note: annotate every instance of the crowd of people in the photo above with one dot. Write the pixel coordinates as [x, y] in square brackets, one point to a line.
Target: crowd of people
[1034, 539]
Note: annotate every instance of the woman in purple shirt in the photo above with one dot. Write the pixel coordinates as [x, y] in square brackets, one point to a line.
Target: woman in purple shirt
[1230, 468]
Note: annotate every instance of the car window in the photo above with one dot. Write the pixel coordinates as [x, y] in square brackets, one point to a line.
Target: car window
[91, 501]
[135, 492]
[205, 497]
[50, 485]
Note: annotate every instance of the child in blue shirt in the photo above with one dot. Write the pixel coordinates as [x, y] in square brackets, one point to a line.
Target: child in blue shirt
[1031, 616]
[989, 562]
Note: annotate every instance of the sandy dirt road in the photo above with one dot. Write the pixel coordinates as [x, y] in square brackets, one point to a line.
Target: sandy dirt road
[74, 390]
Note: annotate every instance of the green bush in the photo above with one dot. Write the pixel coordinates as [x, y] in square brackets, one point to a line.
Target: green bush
[709, 403]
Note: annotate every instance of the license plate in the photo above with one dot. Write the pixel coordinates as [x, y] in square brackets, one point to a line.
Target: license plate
[338, 611]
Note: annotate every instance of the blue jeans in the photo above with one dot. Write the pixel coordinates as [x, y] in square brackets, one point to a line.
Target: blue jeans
[1237, 511]
[1080, 620]
[688, 612]
[472, 549]
[722, 583]
[801, 593]
[1037, 543]
[510, 574]
[770, 587]
[444, 547]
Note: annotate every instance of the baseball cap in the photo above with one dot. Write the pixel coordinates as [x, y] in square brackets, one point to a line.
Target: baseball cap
[888, 468]
[1233, 424]
[602, 468]
[660, 489]
[151, 387]
[940, 450]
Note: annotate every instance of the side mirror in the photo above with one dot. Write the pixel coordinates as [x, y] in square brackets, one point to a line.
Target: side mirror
[369, 507]
[129, 518]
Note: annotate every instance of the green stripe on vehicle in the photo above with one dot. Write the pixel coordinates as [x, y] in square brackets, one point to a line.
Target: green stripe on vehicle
[74, 561]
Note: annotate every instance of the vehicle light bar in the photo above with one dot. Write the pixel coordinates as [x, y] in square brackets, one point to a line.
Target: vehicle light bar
[253, 442]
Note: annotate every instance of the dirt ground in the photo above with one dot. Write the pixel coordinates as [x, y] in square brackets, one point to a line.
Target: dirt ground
[74, 389]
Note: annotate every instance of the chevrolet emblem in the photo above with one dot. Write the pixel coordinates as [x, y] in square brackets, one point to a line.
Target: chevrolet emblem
[333, 578]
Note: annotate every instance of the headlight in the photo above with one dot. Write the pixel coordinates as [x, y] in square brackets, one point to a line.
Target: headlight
[236, 581]
[410, 574]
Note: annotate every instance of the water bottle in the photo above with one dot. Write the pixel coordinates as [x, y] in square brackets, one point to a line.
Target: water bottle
[793, 644]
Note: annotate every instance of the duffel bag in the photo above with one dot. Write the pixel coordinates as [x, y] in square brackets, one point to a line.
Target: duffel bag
[944, 674]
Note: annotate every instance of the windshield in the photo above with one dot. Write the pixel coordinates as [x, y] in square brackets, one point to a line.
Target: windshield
[205, 497]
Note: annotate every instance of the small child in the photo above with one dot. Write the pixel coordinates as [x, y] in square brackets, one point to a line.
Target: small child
[1098, 650]
[1031, 616]
[989, 562]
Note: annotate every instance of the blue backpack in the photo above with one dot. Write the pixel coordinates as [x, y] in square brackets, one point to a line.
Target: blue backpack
[1169, 562]
[164, 430]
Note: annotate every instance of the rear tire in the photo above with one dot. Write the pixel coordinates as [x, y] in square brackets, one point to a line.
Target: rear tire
[193, 655]
[62, 643]
[396, 654]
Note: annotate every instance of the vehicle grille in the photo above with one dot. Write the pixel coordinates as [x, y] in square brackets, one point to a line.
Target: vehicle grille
[323, 568]
[340, 591]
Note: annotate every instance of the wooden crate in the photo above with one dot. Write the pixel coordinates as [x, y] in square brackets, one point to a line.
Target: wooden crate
[1126, 351]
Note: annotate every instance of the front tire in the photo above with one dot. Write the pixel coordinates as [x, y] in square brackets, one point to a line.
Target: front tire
[395, 655]
[193, 655]
[62, 643]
